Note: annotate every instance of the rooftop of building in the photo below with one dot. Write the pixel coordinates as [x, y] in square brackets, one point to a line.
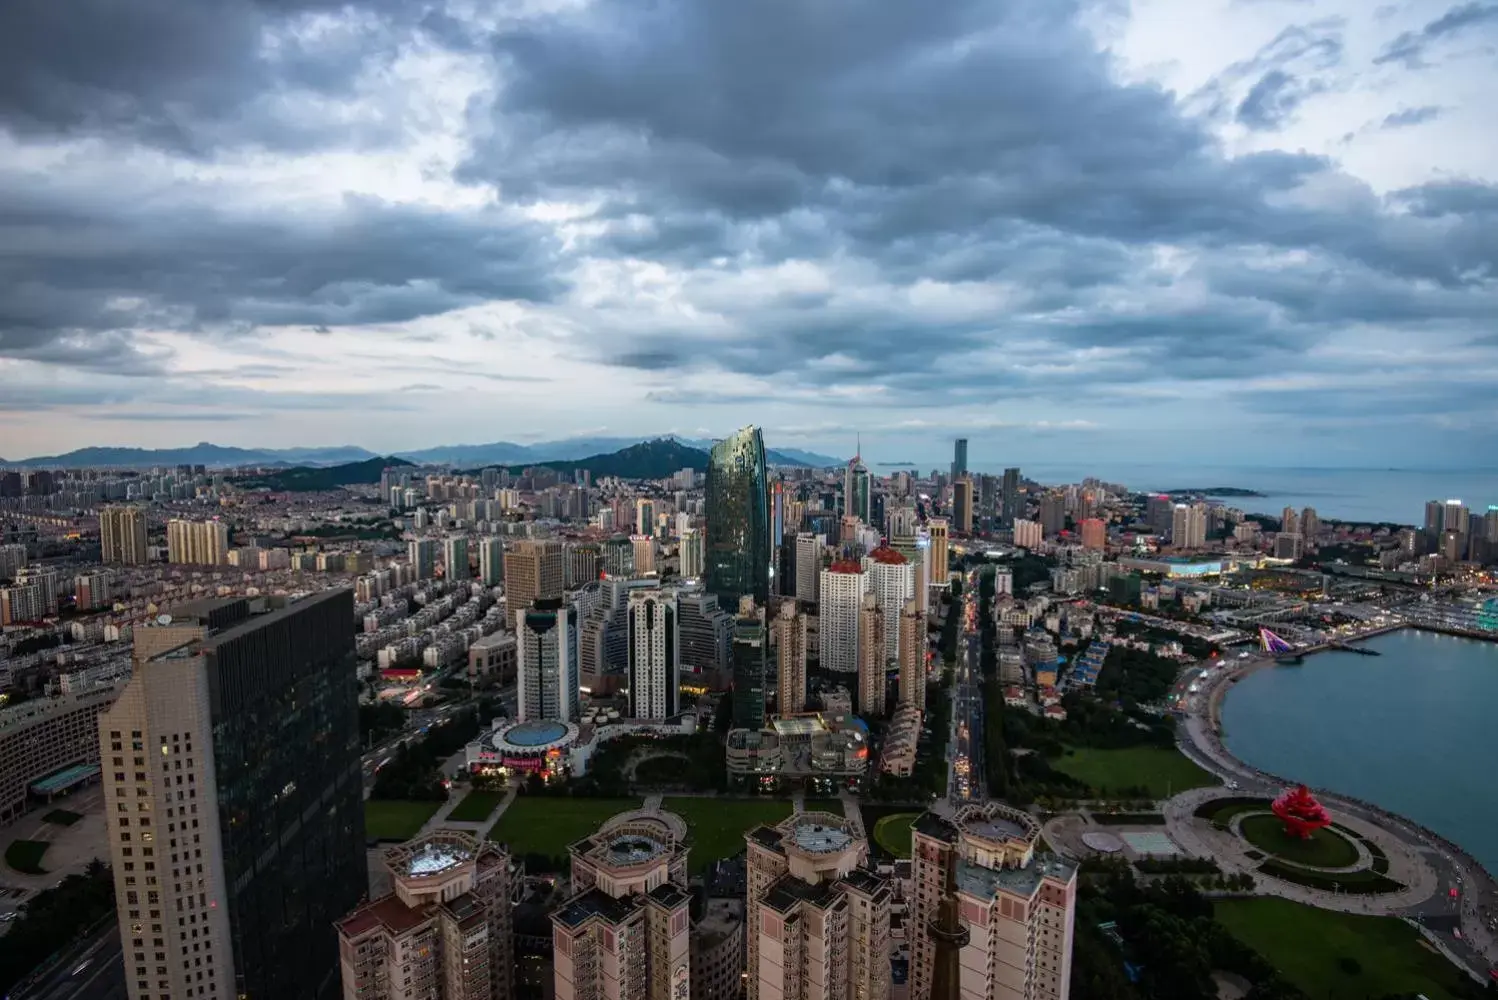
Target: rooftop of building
[387, 913]
[846, 566]
[595, 903]
[788, 892]
[888, 556]
[1025, 881]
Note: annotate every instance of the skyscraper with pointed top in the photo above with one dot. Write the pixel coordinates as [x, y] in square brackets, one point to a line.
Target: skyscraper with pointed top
[857, 488]
[738, 520]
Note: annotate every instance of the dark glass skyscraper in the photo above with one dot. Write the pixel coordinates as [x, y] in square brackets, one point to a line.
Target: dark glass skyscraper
[959, 459]
[738, 520]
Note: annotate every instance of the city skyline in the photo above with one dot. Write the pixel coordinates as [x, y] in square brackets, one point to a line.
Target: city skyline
[1267, 222]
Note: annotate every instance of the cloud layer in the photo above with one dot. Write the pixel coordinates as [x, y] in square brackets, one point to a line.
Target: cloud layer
[403, 224]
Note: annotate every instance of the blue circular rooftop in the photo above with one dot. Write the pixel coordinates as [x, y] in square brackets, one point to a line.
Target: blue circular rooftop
[535, 734]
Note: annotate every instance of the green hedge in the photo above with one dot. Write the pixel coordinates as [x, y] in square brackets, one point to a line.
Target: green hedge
[1362, 883]
[1129, 819]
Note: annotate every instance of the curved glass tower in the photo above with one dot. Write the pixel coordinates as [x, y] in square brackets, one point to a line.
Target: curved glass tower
[738, 520]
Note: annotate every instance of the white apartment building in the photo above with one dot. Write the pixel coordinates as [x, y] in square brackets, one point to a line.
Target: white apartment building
[842, 588]
[197, 543]
[892, 582]
[547, 663]
[654, 654]
[790, 641]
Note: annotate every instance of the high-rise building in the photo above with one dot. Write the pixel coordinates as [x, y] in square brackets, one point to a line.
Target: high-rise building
[1094, 534]
[1310, 524]
[122, 535]
[1188, 526]
[654, 684]
[790, 643]
[197, 543]
[706, 634]
[26, 602]
[643, 547]
[1289, 521]
[818, 919]
[455, 559]
[93, 590]
[750, 650]
[693, 553]
[1435, 516]
[959, 459]
[12, 561]
[644, 516]
[842, 588]
[1020, 905]
[892, 582]
[582, 564]
[1028, 534]
[809, 548]
[619, 557]
[871, 658]
[939, 566]
[234, 801]
[533, 572]
[42, 737]
[1457, 518]
[962, 505]
[422, 554]
[547, 681]
[492, 562]
[1052, 514]
[445, 930]
[738, 520]
[1010, 498]
[625, 932]
[912, 656]
[858, 491]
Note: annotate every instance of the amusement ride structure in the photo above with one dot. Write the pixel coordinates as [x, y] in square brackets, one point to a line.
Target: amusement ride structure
[1302, 815]
[1277, 647]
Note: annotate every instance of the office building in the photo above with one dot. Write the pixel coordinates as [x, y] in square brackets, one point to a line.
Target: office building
[625, 932]
[790, 647]
[738, 520]
[1028, 534]
[547, 662]
[959, 459]
[1009, 497]
[940, 570]
[1188, 526]
[122, 536]
[809, 548]
[1018, 905]
[492, 562]
[706, 634]
[871, 658]
[533, 572]
[693, 553]
[819, 921]
[445, 930]
[455, 567]
[197, 543]
[654, 683]
[962, 505]
[750, 652]
[49, 738]
[235, 821]
[644, 516]
[582, 564]
[1052, 514]
[422, 554]
[858, 491]
[842, 588]
[619, 557]
[892, 582]
[912, 656]
[643, 547]
[1094, 534]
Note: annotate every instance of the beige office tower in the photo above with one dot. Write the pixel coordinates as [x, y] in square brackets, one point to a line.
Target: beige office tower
[122, 535]
[197, 543]
[938, 552]
[818, 921]
[533, 571]
[643, 548]
[871, 658]
[625, 933]
[443, 933]
[962, 505]
[913, 656]
[1018, 905]
[790, 642]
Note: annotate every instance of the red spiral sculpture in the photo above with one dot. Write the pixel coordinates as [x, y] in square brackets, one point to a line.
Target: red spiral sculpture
[1302, 815]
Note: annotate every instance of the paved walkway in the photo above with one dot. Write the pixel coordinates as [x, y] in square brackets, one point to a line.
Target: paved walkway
[479, 828]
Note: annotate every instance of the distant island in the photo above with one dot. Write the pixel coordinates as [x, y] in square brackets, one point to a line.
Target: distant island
[911, 465]
[1216, 491]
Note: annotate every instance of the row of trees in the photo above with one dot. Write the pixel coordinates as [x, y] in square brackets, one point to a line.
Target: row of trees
[415, 770]
[53, 919]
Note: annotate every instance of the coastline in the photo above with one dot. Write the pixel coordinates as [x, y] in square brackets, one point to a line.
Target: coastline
[1201, 736]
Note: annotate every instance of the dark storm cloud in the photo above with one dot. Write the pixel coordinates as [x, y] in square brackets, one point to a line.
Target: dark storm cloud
[1274, 100]
[1409, 47]
[81, 272]
[191, 76]
[1412, 116]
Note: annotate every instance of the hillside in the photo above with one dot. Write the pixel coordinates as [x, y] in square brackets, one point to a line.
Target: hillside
[202, 453]
[306, 479]
[647, 460]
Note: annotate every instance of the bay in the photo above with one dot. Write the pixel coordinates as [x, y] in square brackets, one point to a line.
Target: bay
[1410, 730]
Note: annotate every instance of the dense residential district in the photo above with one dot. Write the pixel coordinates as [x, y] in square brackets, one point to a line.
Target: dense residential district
[671, 724]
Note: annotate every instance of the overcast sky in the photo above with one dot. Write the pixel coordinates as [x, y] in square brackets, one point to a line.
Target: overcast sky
[1265, 229]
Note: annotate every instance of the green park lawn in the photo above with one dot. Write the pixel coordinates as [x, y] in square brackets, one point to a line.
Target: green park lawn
[1324, 849]
[893, 833]
[1305, 944]
[541, 824]
[1110, 772]
[476, 806]
[396, 819]
[25, 856]
[718, 825]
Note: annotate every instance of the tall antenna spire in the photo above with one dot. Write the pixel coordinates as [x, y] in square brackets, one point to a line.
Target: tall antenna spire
[949, 935]
[858, 445]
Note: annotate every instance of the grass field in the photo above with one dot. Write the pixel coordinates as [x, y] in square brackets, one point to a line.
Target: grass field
[893, 833]
[1325, 848]
[718, 825]
[476, 806]
[1109, 772]
[543, 825]
[1305, 943]
[25, 856]
[396, 819]
[61, 817]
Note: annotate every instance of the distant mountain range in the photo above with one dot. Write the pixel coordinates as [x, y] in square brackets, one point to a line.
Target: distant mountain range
[463, 456]
[303, 478]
